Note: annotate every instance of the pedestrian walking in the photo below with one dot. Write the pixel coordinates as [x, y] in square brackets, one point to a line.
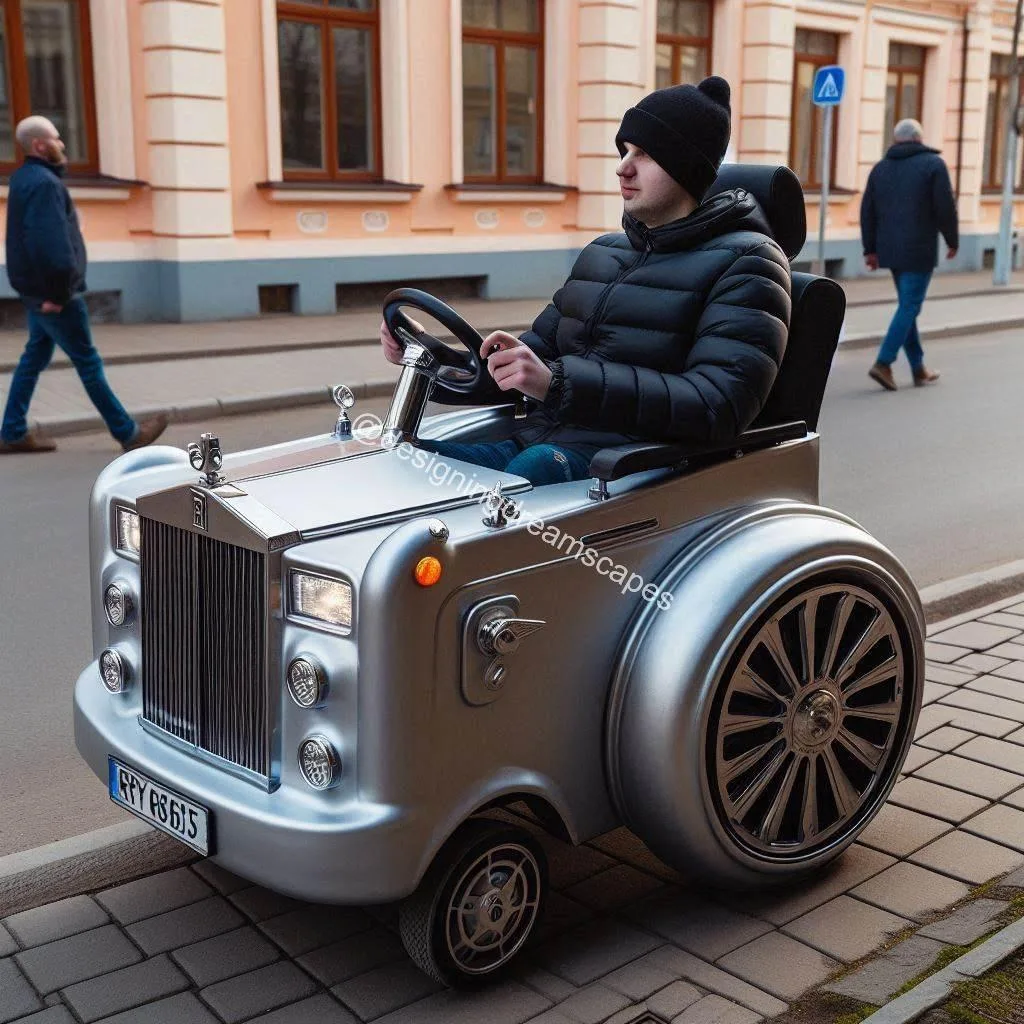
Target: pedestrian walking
[46, 263]
[907, 204]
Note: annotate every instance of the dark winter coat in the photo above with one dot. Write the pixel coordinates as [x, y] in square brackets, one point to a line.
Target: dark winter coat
[907, 203]
[675, 333]
[45, 250]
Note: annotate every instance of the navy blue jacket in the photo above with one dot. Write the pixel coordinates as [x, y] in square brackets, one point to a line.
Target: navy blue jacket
[45, 248]
[908, 201]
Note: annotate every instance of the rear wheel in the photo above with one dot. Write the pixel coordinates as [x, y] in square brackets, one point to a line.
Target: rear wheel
[802, 732]
[478, 905]
[758, 723]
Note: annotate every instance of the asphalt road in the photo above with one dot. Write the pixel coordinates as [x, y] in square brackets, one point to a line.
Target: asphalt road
[933, 472]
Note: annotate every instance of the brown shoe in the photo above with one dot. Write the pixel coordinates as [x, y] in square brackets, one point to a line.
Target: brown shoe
[28, 444]
[925, 376]
[149, 431]
[882, 374]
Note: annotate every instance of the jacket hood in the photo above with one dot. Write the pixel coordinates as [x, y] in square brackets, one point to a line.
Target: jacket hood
[903, 150]
[734, 210]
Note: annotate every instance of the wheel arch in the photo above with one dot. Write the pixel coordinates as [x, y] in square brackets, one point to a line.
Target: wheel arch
[540, 795]
[721, 585]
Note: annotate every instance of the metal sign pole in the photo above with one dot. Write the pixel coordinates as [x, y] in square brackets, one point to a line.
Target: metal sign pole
[1004, 255]
[826, 169]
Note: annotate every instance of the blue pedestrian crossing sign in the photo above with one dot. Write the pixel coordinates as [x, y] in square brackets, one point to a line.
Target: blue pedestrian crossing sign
[829, 83]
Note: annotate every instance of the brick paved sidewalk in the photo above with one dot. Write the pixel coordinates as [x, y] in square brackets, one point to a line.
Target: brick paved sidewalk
[625, 935]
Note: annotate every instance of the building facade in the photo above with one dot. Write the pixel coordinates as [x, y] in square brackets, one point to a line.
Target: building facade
[233, 157]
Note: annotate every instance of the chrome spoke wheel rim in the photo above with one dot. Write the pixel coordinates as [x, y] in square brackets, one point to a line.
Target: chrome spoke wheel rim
[493, 908]
[802, 738]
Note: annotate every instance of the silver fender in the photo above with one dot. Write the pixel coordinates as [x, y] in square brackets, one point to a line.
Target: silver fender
[671, 662]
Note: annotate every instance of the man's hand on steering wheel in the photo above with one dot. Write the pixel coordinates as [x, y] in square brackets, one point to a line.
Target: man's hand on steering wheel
[515, 366]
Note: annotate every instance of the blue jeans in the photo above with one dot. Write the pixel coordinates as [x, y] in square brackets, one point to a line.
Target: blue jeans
[70, 330]
[911, 288]
[539, 463]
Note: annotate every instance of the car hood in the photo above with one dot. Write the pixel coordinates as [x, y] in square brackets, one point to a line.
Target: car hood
[329, 489]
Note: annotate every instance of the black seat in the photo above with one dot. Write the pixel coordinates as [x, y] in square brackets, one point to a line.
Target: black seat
[819, 306]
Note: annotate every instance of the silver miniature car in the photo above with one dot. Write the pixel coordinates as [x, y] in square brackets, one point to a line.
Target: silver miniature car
[319, 663]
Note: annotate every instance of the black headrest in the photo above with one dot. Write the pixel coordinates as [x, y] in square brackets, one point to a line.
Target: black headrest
[778, 192]
[819, 305]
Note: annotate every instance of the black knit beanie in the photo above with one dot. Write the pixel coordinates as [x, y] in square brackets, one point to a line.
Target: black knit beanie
[685, 129]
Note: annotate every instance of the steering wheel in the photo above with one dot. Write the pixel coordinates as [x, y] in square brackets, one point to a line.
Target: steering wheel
[466, 359]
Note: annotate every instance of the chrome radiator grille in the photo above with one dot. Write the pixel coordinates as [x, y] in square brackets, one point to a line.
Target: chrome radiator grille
[204, 643]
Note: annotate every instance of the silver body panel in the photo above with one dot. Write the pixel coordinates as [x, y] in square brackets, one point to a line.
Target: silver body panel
[417, 757]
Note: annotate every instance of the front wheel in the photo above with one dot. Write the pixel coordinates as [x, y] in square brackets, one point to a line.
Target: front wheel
[477, 906]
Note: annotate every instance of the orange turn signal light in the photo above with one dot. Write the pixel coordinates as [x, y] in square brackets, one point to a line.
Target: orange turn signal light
[427, 571]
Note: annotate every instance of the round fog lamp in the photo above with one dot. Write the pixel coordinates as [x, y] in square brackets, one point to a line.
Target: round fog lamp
[318, 762]
[117, 603]
[306, 682]
[114, 671]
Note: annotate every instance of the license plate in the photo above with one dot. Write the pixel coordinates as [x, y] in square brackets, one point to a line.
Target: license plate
[173, 814]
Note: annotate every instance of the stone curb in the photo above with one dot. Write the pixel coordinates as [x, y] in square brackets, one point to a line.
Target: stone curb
[205, 409]
[932, 991]
[964, 595]
[873, 338]
[981, 292]
[61, 362]
[193, 412]
[80, 864]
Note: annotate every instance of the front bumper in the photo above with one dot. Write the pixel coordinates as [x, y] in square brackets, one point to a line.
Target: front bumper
[291, 841]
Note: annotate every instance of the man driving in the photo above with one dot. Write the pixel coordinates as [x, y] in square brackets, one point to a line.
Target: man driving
[672, 330]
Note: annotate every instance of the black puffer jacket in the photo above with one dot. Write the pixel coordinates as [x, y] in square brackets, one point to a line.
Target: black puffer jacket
[674, 333]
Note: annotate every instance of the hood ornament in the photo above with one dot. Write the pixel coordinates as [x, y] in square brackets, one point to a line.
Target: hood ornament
[344, 400]
[206, 457]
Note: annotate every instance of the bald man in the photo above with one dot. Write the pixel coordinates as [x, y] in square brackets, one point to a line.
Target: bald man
[908, 202]
[46, 267]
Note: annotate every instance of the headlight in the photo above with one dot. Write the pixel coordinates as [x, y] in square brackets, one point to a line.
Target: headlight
[307, 683]
[318, 762]
[128, 535]
[114, 670]
[321, 599]
[117, 603]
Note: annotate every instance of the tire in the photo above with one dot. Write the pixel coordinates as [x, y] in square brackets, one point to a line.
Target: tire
[757, 726]
[486, 866]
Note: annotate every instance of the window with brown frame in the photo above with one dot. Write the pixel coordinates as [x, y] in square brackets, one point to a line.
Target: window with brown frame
[502, 91]
[996, 113]
[329, 66]
[904, 86]
[683, 53]
[46, 68]
[812, 50]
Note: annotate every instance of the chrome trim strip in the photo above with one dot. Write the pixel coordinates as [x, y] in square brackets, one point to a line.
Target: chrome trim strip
[617, 532]
[270, 785]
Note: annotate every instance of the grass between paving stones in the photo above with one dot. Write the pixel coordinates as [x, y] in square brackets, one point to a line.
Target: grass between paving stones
[994, 998]
[825, 1008]
[832, 1008]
